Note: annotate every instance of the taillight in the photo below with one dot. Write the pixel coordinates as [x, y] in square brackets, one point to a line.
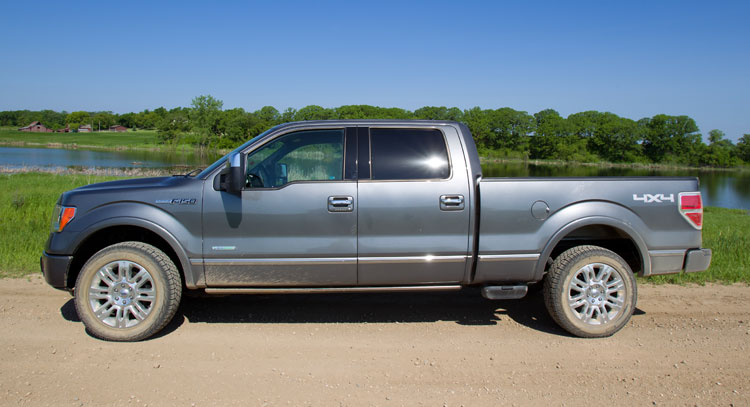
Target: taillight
[691, 208]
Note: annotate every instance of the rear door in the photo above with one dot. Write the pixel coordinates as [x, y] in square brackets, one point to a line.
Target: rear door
[414, 208]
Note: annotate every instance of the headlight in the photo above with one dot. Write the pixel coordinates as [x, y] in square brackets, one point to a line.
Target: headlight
[61, 216]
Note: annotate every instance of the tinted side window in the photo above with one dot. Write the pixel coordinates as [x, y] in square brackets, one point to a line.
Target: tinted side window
[408, 154]
[314, 155]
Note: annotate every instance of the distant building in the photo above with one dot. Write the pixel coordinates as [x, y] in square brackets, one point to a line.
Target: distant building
[118, 128]
[36, 127]
[65, 130]
[85, 128]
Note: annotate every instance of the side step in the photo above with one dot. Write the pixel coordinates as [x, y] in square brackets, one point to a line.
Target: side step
[504, 292]
[330, 290]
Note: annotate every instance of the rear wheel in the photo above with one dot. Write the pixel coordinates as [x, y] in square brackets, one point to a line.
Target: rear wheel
[590, 291]
[127, 292]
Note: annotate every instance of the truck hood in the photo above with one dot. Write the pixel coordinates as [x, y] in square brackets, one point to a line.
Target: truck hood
[147, 190]
[126, 184]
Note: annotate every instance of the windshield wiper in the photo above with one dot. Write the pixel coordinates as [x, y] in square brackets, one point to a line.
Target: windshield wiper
[197, 170]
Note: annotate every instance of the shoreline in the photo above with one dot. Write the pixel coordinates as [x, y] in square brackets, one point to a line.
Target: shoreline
[147, 147]
[184, 148]
[112, 172]
[644, 166]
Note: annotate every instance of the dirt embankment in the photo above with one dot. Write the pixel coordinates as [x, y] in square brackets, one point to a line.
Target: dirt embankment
[684, 346]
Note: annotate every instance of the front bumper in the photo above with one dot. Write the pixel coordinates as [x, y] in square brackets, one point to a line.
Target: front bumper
[55, 269]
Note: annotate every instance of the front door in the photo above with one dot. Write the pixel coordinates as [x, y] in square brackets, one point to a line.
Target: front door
[294, 224]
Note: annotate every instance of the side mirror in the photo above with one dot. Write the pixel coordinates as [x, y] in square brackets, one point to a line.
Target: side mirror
[232, 178]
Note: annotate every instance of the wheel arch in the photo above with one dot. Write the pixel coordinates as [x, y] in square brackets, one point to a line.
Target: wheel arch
[603, 231]
[122, 229]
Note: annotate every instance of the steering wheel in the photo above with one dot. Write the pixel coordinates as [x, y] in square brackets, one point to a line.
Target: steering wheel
[254, 181]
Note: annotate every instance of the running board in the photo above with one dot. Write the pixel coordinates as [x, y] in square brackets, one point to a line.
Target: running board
[330, 290]
[504, 292]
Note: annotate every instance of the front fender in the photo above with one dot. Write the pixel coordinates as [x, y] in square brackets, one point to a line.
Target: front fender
[186, 244]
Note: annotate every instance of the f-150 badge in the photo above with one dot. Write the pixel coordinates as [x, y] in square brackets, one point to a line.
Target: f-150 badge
[656, 198]
[177, 201]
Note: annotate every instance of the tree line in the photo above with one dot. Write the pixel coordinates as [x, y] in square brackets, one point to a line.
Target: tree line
[589, 136]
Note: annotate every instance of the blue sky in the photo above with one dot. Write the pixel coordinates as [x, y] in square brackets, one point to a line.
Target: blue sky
[635, 59]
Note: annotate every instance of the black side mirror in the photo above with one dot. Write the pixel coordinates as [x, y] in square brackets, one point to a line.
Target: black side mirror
[232, 177]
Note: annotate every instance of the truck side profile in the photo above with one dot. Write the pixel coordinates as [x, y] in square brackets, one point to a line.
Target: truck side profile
[353, 206]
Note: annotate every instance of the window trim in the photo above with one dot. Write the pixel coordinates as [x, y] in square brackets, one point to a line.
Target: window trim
[407, 127]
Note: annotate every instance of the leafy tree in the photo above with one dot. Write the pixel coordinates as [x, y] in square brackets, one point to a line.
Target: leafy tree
[552, 132]
[607, 135]
[511, 129]
[478, 121]
[313, 112]
[438, 113]
[102, 120]
[76, 119]
[204, 118]
[720, 152]
[670, 138]
[174, 125]
[743, 148]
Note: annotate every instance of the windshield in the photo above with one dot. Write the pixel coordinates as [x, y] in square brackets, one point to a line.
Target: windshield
[223, 160]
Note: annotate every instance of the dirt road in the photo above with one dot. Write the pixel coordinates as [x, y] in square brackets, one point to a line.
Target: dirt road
[684, 346]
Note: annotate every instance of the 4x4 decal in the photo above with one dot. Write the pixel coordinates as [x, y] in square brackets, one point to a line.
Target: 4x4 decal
[655, 198]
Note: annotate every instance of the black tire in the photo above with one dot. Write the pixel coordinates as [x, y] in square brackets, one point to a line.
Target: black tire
[113, 281]
[590, 307]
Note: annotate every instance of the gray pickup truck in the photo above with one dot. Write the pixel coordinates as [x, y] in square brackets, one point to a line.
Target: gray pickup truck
[363, 206]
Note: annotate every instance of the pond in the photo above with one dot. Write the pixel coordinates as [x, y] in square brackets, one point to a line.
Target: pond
[729, 189]
[15, 157]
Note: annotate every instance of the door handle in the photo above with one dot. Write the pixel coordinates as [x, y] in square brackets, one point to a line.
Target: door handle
[340, 204]
[451, 202]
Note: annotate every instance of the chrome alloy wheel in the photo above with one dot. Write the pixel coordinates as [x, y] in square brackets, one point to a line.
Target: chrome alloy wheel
[596, 294]
[122, 294]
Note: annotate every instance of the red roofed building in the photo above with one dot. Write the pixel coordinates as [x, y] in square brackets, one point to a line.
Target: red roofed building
[36, 127]
[118, 128]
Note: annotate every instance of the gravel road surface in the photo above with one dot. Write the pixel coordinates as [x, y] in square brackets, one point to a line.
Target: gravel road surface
[684, 346]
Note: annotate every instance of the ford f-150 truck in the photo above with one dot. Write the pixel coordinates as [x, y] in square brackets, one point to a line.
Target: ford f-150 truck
[355, 206]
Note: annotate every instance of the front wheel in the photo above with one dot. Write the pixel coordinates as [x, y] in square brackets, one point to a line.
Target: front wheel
[127, 292]
[590, 291]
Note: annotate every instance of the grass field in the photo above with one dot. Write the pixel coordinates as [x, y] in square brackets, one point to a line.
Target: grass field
[27, 200]
[104, 139]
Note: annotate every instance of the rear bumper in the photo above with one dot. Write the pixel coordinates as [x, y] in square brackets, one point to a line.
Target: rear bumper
[697, 260]
[675, 261]
[55, 269]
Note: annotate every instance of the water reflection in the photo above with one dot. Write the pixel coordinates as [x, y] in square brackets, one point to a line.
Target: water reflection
[63, 158]
[729, 189]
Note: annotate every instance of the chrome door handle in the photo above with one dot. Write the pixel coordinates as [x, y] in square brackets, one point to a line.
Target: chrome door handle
[340, 204]
[451, 202]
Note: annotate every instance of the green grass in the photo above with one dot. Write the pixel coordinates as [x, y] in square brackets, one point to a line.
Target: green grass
[727, 233]
[27, 200]
[26, 204]
[104, 139]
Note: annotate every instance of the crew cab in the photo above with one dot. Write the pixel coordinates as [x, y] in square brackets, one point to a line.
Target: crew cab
[353, 206]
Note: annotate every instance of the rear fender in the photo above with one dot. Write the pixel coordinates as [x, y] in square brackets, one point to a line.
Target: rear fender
[568, 219]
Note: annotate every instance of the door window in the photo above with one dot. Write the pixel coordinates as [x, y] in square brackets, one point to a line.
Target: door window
[402, 154]
[312, 155]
